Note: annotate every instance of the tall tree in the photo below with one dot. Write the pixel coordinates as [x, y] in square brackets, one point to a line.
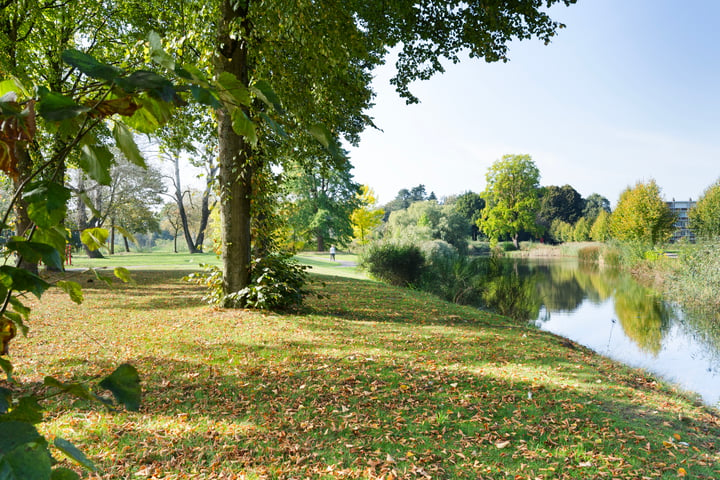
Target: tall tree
[642, 215]
[511, 198]
[705, 217]
[470, 206]
[559, 203]
[594, 204]
[324, 199]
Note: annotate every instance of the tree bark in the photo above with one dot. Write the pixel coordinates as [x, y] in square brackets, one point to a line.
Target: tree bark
[235, 176]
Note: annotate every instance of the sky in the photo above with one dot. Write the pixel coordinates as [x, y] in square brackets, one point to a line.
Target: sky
[629, 91]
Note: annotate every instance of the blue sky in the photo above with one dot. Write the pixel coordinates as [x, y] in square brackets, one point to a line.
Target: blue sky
[628, 91]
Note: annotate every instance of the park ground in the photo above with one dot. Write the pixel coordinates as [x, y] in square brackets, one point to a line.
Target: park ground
[366, 381]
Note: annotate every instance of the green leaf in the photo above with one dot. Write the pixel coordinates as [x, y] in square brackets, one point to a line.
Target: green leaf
[12, 85]
[276, 127]
[232, 91]
[326, 139]
[55, 236]
[123, 274]
[27, 410]
[96, 161]
[24, 453]
[126, 143]
[244, 126]
[205, 96]
[195, 73]
[73, 289]
[5, 400]
[47, 203]
[34, 252]
[94, 238]
[90, 66]
[55, 107]
[62, 473]
[23, 281]
[7, 368]
[77, 389]
[158, 54]
[122, 231]
[264, 92]
[150, 82]
[153, 114]
[73, 453]
[124, 383]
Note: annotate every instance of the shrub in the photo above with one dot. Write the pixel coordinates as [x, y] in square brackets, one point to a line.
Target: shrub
[589, 254]
[394, 263]
[276, 282]
[437, 249]
[611, 255]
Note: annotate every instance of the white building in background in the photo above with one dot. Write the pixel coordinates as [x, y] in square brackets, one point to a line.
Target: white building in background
[682, 227]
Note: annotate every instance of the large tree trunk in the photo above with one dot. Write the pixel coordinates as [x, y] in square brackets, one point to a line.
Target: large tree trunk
[235, 176]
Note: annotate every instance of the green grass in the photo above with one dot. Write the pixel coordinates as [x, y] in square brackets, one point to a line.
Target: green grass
[147, 261]
[368, 381]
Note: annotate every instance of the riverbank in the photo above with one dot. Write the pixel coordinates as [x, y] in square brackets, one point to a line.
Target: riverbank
[369, 381]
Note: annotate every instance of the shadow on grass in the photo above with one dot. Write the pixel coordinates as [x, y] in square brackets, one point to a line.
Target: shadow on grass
[311, 414]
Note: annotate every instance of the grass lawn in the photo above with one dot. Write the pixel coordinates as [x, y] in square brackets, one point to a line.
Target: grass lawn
[368, 381]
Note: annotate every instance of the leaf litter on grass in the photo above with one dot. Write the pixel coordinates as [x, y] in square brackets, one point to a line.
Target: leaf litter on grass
[367, 382]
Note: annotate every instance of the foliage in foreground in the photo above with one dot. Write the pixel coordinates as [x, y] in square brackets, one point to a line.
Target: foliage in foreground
[370, 382]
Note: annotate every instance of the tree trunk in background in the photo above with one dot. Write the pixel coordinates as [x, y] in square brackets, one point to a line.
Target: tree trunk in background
[235, 176]
[181, 209]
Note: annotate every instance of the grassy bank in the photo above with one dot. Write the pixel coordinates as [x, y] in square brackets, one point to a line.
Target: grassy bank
[369, 382]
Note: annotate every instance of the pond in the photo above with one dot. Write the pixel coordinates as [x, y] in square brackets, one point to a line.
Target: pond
[612, 314]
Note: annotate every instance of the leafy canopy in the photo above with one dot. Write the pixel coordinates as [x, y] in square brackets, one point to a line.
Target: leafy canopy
[511, 197]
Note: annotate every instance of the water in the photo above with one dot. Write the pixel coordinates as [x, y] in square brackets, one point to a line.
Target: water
[612, 314]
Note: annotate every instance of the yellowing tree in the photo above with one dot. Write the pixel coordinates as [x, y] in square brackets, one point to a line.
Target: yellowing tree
[366, 217]
[642, 215]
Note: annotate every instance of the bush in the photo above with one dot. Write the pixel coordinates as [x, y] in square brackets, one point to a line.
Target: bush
[437, 249]
[276, 282]
[611, 256]
[394, 263]
[589, 254]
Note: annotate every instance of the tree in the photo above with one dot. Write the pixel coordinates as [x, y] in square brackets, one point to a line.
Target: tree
[642, 216]
[470, 206]
[324, 200]
[563, 203]
[127, 201]
[366, 217]
[511, 198]
[581, 230]
[424, 221]
[336, 45]
[404, 199]
[595, 204]
[705, 217]
[600, 230]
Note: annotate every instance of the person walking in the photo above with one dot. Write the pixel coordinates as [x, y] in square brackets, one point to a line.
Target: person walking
[332, 252]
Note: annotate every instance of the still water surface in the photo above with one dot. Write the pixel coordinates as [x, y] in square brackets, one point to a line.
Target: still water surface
[612, 314]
